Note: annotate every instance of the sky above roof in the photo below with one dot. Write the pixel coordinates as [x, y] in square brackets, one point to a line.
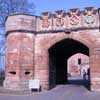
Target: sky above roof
[53, 5]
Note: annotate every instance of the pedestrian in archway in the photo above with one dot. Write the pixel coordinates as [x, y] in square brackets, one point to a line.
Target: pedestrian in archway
[84, 74]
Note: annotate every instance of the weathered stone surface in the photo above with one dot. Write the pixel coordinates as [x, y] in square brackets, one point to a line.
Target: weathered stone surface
[21, 22]
[19, 59]
[27, 55]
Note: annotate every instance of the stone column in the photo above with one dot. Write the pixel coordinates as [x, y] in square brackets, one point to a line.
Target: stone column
[19, 51]
[41, 63]
[95, 68]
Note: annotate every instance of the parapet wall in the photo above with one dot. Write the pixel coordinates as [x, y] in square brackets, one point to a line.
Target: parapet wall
[20, 22]
[74, 19]
[57, 21]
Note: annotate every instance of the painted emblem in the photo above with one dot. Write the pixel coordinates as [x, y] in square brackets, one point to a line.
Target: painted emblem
[74, 19]
[59, 22]
[45, 23]
[89, 19]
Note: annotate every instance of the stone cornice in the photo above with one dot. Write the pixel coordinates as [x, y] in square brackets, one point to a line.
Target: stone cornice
[66, 31]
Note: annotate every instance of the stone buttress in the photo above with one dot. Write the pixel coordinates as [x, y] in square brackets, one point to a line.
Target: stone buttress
[19, 51]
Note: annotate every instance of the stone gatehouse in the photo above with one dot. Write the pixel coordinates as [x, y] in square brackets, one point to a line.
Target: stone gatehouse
[39, 46]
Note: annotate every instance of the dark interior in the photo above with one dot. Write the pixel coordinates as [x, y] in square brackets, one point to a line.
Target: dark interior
[58, 55]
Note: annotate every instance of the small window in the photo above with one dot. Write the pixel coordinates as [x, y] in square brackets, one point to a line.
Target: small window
[12, 72]
[79, 61]
[27, 73]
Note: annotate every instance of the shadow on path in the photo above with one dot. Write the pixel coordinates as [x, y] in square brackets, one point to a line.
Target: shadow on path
[78, 80]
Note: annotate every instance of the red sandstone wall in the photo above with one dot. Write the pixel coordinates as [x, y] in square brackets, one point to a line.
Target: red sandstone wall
[19, 61]
[20, 51]
[23, 55]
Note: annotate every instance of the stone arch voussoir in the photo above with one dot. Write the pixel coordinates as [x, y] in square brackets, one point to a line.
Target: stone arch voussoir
[86, 39]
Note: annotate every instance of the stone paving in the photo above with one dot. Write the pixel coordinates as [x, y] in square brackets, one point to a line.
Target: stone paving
[61, 92]
[76, 91]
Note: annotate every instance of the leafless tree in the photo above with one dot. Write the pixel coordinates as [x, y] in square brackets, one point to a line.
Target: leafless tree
[15, 6]
[8, 7]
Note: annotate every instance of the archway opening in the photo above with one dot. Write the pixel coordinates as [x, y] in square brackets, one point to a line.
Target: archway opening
[59, 54]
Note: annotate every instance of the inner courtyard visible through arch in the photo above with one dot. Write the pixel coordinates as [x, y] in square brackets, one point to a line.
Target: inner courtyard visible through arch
[65, 66]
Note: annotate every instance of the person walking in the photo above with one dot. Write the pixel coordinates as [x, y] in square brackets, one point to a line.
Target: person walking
[84, 74]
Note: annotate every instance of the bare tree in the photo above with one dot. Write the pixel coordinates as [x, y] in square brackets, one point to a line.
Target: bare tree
[8, 7]
[15, 6]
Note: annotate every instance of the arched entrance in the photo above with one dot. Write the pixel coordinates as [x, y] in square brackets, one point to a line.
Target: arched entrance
[58, 56]
[53, 50]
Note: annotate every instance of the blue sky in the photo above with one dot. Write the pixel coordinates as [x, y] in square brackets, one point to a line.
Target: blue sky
[53, 5]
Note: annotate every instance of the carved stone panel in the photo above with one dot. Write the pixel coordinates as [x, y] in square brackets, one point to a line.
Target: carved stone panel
[44, 22]
[74, 18]
[90, 18]
[59, 20]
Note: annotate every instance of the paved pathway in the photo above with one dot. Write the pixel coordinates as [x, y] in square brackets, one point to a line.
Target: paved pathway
[62, 92]
[74, 91]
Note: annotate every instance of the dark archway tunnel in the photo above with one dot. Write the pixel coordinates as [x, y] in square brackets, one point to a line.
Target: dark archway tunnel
[58, 55]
